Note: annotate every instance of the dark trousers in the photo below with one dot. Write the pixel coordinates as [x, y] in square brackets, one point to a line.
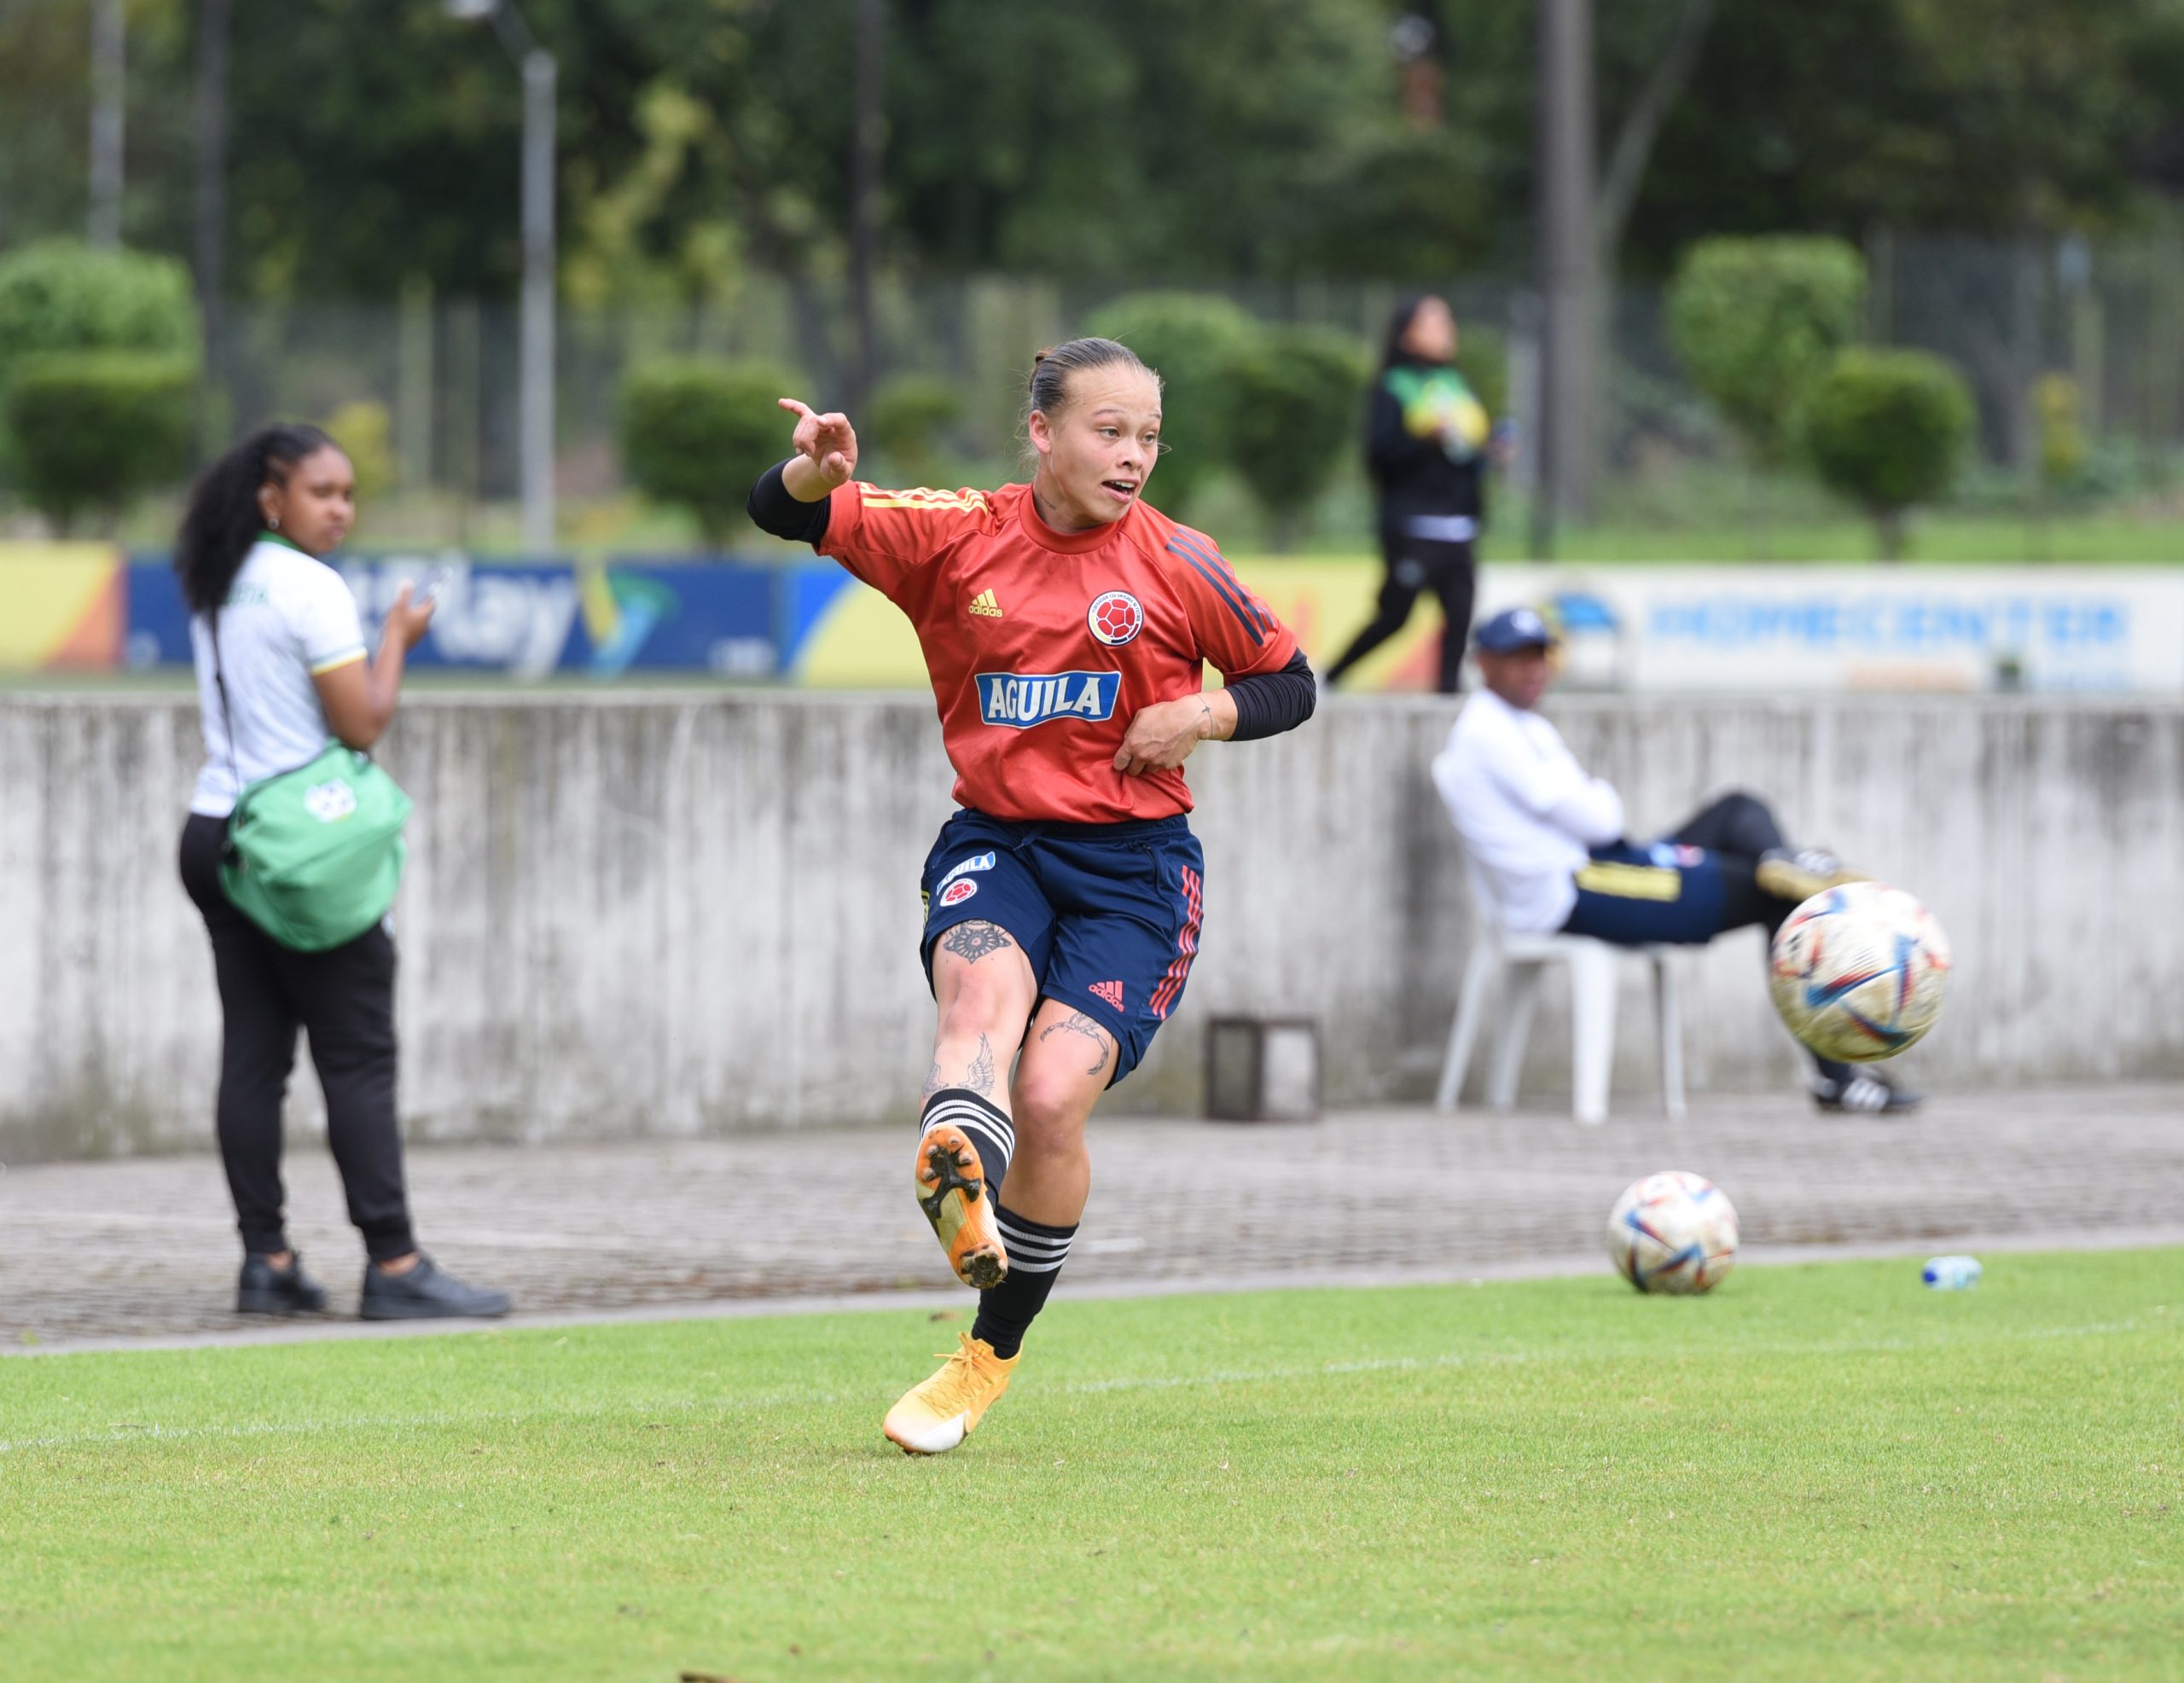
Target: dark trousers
[1699, 881]
[1416, 563]
[343, 999]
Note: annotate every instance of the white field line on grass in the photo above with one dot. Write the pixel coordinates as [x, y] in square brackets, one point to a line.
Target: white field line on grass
[1144, 1382]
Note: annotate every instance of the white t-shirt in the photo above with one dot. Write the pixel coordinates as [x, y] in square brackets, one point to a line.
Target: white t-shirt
[288, 618]
[1528, 814]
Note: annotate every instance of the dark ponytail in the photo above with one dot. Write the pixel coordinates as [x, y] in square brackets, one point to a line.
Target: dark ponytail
[223, 518]
[1051, 369]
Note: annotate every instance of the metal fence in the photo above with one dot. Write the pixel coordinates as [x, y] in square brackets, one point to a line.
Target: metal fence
[2110, 317]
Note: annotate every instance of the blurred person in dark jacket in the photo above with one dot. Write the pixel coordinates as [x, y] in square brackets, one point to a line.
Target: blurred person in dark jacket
[1428, 442]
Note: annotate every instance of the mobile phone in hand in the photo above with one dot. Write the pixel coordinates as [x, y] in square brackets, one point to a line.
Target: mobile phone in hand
[427, 592]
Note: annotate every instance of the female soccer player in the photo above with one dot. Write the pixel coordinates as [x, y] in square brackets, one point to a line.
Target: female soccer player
[1066, 626]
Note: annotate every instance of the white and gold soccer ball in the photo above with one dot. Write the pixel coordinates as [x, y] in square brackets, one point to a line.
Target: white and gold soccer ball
[1674, 1233]
[1859, 972]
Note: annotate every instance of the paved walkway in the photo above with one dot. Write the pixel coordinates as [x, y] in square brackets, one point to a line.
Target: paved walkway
[143, 1251]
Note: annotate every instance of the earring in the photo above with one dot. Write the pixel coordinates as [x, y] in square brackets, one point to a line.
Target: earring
[272, 523]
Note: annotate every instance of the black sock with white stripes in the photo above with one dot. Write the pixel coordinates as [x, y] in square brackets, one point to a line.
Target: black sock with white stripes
[1036, 1254]
[985, 1121]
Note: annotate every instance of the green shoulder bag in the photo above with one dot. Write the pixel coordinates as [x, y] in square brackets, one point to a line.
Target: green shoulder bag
[314, 855]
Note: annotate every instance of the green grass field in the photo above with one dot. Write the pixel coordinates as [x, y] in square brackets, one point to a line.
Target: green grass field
[1818, 1471]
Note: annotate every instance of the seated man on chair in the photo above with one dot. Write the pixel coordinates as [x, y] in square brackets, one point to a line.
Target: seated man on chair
[1548, 841]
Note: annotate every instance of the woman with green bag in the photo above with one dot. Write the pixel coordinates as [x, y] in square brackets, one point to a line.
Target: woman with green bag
[292, 852]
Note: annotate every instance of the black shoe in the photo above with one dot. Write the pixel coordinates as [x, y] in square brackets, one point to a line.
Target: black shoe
[426, 1293]
[266, 1289]
[1863, 1092]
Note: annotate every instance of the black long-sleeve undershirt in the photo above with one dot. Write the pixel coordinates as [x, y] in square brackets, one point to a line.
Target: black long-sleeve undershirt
[1267, 704]
[1270, 703]
[773, 508]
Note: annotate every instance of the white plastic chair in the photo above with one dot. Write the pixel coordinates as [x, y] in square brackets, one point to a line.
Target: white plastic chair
[1517, 962]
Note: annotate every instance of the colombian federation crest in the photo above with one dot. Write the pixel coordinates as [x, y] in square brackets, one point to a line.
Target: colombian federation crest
[1115, 618]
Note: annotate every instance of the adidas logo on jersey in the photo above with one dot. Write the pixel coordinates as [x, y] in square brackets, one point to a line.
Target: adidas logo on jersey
[984, 603]
[1110, 991]
[1022, 701]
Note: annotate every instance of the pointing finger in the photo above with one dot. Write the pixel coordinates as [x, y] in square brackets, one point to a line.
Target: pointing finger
[794, 407]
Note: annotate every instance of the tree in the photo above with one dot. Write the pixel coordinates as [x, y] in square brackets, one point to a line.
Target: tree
[1886, 429]
[1757, 321]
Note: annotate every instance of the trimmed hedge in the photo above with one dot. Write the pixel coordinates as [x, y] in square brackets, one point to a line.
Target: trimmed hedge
[1757, 323]
[93, 430]
[697, 432]
[909, 417]
[1298, 393]
[1194, 341]
[1886, 429]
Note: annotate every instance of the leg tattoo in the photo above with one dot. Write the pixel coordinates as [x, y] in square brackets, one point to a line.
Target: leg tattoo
[979, 1076]
[974, 940]
[1076, 1023]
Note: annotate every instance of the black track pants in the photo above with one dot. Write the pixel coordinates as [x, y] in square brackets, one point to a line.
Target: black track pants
[343, 999]
[1416, 563]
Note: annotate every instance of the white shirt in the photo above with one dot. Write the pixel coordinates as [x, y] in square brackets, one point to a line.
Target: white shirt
[1528, 814]
[288, 618]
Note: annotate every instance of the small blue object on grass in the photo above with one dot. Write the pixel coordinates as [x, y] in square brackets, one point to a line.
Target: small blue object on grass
[1952, 1274]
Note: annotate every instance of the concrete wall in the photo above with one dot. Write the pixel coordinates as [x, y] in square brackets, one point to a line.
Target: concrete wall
[687, 914]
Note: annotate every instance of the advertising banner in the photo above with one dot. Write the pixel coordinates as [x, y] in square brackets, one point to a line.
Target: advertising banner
[1773, 628]
[529, 620]
[1808, 629]
[64, 608]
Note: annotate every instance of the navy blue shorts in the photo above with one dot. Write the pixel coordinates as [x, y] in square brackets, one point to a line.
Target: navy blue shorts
[1635, 896]
[1107, 914]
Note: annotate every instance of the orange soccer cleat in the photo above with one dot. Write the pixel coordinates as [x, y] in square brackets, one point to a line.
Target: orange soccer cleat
[951, 1187]
[933, 1417]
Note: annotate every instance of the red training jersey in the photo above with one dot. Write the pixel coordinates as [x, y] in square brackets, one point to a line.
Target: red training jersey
[1043, 645]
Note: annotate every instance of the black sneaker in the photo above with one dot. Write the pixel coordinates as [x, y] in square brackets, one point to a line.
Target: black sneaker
[266, 1290]
[426, 1292]
[1863, 1092]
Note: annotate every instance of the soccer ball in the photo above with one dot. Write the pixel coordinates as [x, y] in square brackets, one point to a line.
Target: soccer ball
[1858, 972]
[1674, 1232]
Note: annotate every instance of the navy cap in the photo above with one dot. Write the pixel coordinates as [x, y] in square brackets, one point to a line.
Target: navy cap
[1512, 629]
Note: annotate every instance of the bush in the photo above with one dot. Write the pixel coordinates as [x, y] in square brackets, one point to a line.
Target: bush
[1298, 394]
[365, 431]
[1886, 429]
[1194, 341]
[59, 295]
[1483, 359]
[95, 429]
[909, 415]
[1757, 323]
[697, 433]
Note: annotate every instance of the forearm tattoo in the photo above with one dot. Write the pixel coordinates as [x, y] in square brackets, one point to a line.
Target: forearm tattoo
[1076, 1023]
[974, 940]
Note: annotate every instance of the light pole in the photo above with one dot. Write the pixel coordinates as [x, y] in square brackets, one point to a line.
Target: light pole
[536, 396]
[109, 88]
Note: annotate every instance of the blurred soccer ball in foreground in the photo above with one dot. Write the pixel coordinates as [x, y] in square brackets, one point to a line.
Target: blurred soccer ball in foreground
[1859, 972]
[1674, 1232]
